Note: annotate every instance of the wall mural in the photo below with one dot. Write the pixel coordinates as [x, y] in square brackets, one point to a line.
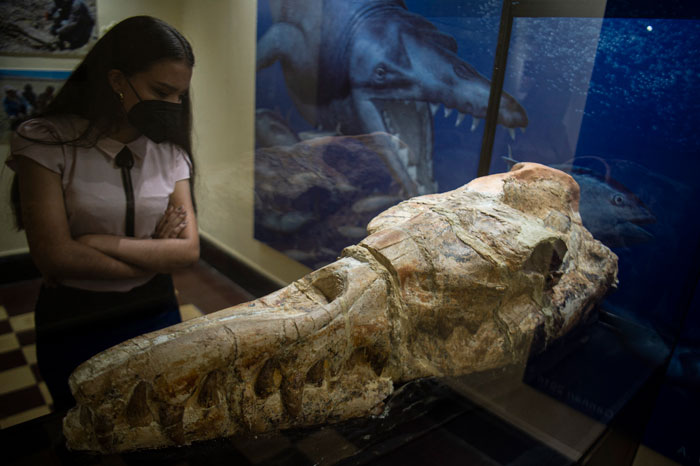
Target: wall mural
[352, 100]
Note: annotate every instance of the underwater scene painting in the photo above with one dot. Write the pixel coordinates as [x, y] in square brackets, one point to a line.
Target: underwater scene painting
[610, 102]
[361, 104]
[350, 119]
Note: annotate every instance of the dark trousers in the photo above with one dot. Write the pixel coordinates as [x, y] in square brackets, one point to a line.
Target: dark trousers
[72, 325]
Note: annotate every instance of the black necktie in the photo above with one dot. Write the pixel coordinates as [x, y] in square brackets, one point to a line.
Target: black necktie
[125, 160]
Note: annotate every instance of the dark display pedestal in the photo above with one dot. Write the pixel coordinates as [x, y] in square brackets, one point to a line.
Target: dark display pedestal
[425, 422]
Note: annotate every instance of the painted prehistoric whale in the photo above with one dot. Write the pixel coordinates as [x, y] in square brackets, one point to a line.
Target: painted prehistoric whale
[365, 66]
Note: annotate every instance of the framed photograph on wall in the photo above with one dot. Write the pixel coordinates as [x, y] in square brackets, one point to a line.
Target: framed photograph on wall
[26, 93]
[64, 28]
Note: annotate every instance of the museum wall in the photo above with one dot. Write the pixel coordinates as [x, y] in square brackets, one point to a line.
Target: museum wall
[223, 36]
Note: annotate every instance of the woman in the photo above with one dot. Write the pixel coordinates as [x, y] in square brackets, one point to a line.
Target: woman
[103, 191]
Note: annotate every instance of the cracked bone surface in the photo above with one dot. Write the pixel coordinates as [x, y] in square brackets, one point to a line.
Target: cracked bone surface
[445, 284]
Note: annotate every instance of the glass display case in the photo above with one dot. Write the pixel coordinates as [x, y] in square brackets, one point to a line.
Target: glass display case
[600, 90]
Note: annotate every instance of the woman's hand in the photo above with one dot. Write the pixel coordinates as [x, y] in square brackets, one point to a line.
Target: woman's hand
[172, 224]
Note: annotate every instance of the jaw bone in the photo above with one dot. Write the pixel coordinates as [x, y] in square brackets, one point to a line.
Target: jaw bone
[445, 284]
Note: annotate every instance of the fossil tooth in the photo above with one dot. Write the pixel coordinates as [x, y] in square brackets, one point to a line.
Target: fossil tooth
[292, 391]
[138, 413]
[317, 373]
[269, 379]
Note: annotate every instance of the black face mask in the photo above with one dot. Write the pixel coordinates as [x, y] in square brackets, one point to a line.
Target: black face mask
[156, 119]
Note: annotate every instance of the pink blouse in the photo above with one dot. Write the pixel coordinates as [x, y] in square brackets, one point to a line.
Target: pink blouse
[92, 185]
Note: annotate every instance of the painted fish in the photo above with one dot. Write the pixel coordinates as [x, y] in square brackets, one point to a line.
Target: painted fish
[609, 210]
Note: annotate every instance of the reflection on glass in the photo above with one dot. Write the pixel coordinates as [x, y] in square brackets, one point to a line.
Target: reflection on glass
[609, 102]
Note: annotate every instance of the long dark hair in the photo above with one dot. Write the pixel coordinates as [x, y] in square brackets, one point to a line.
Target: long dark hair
[131, 46]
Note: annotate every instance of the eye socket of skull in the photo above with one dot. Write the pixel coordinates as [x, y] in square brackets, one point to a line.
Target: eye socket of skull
[547, 258]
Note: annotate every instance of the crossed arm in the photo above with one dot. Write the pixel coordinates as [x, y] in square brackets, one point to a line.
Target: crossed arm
[60, 256]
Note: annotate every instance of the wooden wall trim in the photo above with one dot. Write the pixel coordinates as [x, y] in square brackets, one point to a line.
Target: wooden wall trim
[234, 269]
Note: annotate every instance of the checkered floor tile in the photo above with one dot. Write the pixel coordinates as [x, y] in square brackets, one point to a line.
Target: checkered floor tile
[23, 394]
